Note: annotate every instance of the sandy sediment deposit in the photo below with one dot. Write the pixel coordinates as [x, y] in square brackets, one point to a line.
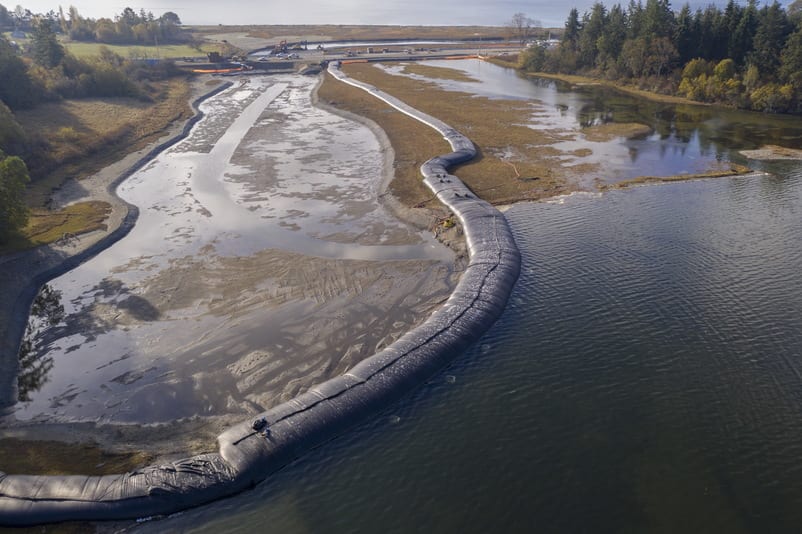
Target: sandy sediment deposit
[262, 263]
[773, 152]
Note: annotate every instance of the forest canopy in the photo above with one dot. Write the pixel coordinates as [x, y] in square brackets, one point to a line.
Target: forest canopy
[129, 27]
[746, 56]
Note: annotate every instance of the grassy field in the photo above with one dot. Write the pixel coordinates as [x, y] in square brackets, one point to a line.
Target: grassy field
[169, 51]
[46, 226]
[83, 50]
[84, 136]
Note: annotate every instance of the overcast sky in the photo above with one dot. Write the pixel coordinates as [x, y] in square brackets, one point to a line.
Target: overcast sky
[412, 12]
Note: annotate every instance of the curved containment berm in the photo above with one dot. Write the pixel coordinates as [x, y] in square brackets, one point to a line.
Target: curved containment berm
[250, 451]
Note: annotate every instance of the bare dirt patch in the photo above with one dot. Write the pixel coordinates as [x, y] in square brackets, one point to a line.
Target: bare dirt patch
[773, 152]
[610, 131]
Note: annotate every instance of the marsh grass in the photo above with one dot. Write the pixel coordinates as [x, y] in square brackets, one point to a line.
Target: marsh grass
[85, 135]
[514, 162]
[173, 51]
[612, 130]
[58, 458]
[439, 73]
[48, 226]
[731, 169]
[82, 137]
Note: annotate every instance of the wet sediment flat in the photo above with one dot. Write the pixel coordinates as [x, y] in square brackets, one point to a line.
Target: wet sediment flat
[261, 263]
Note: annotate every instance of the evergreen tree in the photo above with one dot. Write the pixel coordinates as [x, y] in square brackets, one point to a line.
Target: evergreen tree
[47, 51]
[16, 89]
[791, 61]
[685, 36]
[572, 28]
[5, 18]
[741, 55]
[741, 41]
[611, 42]
[658, 19]
[533, 59]
[128, 17]
[13, 210]
[635, 19]
[772, 31]
[592, 29]
[712, 33]
[732, 17]
[795, 11]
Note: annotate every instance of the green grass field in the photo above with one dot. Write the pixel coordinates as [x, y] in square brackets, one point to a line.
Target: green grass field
[83, 50]
[80, 49]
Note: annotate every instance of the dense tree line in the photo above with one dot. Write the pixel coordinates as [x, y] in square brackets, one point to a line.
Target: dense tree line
[13, 210]
[747, 56]
[47, 72]
[129, 27]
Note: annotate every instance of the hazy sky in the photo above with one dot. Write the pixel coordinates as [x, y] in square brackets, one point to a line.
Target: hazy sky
[413, 12]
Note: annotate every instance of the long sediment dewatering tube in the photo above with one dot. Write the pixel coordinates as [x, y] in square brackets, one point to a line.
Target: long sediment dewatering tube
[247, 456]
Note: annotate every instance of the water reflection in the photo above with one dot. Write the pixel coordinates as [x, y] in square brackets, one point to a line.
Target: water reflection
[46, 311]
[686, 138]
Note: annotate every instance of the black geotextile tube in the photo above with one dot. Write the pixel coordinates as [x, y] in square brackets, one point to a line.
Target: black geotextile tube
[246, 456]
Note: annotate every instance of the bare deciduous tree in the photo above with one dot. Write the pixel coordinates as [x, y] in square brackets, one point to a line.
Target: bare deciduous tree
[522, 27]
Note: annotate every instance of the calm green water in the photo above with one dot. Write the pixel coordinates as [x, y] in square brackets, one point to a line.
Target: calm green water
[646, 377]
